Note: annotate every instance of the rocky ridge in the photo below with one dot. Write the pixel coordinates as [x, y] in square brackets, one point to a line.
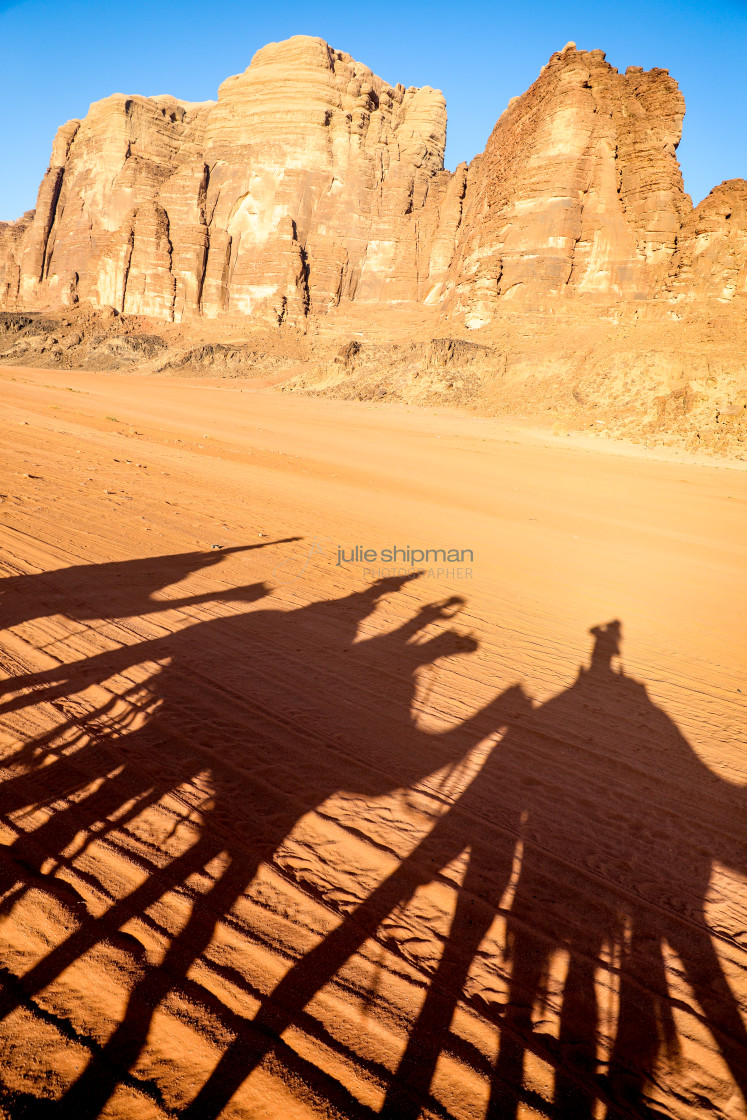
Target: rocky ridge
[312, 184]
[175, 238]
[304, 185]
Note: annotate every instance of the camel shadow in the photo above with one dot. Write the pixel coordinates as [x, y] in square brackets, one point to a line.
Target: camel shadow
[590, 828]
[227, 702]
[618, 825]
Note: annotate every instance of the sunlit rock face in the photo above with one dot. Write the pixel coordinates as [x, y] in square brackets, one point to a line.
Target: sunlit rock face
[578, 192]
[311, 183]
[320, 173]
[308, 182]
[118, 221]
[711, 257]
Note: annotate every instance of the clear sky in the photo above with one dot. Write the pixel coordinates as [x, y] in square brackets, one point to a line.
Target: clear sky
[59, 55]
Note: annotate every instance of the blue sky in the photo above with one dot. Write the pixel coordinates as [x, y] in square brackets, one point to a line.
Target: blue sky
[59, 56]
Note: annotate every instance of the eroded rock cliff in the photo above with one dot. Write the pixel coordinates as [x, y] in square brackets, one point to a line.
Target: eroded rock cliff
[312, 185]
[711, 256]
[578, 192]
[305, 184]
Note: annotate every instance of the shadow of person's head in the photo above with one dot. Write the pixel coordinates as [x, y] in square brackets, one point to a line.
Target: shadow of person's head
[607, 644]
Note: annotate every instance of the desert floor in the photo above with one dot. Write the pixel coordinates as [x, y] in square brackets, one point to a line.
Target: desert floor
[290, 838]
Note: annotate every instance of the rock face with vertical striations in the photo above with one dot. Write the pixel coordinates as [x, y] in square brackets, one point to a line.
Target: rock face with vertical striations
[311, 184]
[304, 185]
[578, 192]
[711, 257]
[319, 176]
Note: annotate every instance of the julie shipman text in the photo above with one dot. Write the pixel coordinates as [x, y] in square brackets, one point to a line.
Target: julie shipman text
[360, 555]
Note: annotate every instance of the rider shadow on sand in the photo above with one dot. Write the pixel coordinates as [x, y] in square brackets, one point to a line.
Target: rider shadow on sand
[283, 709]
[624, 824]
[119, 589]
[616, 819]
[88, 593]
[619, 825]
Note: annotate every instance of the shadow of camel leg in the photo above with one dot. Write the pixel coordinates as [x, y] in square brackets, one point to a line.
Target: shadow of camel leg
[410, 1088]
[528, 968]
[574, 1096]
[95, 930]
[313, 971]
[705, 975]
[643, 992]
[87, 1097]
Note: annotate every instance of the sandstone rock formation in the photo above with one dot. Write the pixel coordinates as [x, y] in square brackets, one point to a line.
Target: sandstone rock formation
[711, 253]
[303, 185]
[578, 191]
[311, 184]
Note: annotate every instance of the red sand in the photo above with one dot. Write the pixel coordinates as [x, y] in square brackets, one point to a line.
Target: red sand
[282, 841]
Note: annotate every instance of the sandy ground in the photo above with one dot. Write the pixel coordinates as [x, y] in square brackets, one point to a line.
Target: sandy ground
[287, 837]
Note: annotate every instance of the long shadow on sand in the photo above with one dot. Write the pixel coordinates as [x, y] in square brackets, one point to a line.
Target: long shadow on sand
[620, 824]
[611, 817]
